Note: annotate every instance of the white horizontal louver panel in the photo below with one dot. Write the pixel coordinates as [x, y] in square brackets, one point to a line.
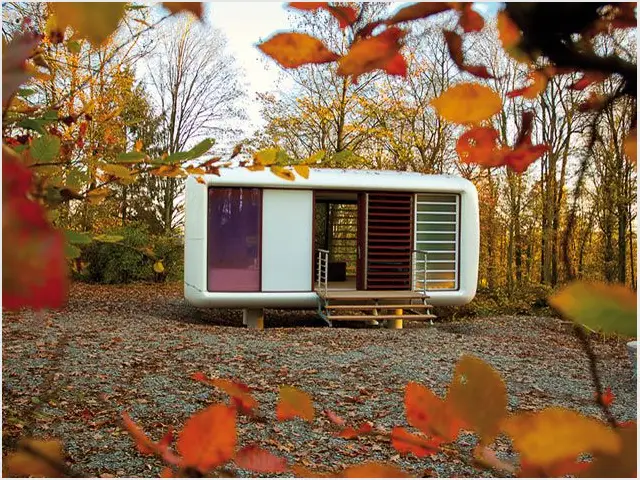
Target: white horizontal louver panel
[437, 228]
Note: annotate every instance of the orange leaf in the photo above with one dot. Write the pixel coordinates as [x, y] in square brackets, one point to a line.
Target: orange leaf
[350, 432]
[556, 434]
[396, 66]
[624, 463]
[479, 145]
[407, 442]
[454, 43]
[560, 469]
[429, 413]
[418, 10]
[631, 145]
[487, 457]
[167, 472]
[373, 53]
[282, 172]
[470, 20]
[208, 438]
[304, 472]
[292, 50]
[24, 463]
[373, 470]
[239, 392]
[255, 168]
[302, 170]
[345, 15]
[334, 418]
[148, 447]
[193, 7]
[607, 397]
[294, 403]
[467, 103]
[258, 460]
[589, 78]
[538, 85]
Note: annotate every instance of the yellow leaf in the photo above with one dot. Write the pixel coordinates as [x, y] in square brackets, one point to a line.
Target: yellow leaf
[201, 180]
[556, 434]
[510, 37]
[95, 21]
[292, 50]
[176, 7]
[294, 403]
[475, 383]
[282, 172]
[26, 464]
[158, 267]
[302, 170]
[631, 145]
[265, 157]
[467, 103]
[169, 171]
[98, 195]
[119, 171]
[599, 306]
[255, 168]
[538, 85]
[138, 145]
[195, 171]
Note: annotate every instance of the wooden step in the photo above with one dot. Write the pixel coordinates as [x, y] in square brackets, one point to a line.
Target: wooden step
[385, 306]
[381, 317]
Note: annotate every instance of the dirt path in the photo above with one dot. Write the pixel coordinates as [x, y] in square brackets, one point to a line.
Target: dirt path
[70, 375]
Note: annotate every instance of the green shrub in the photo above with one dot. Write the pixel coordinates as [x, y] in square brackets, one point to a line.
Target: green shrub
[169, 249]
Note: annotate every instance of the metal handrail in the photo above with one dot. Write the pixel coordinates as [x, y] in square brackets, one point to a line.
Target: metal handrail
[322, 272]
[414, 254]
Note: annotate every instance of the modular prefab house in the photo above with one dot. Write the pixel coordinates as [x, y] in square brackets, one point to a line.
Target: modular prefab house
[254, 240]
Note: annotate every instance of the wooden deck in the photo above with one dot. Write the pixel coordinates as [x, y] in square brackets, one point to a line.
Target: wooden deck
[371, 294]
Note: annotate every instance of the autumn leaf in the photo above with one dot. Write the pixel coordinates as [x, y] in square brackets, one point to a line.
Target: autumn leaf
[467, 103]
[620, 465]
[588, 78]
[173, 171]
[131, 157]
[521, 157]
[373, 470]
[345, 14]
[556, 434]
[430, 414]
[407, 442]
[239, 392]
[255, 168]
[479, 145]
[510, 37]
[95, 21]
[454, 43]
[303, 472]
[333, 418]
[98, 195]
[302, 170]
[607, 397]
[372, 53]
[30, 459]
[282, 172]
[470, 20]
[599, 306]
[350, 432]
[258, 460]
[208, 438]
[195, 170]
[177, 7]
[477, 383]
[294, 403]
[631, 145]
[292, 50]
[488, 458]
[104, 238]
[119, 171]
[158, 267]
[536, 87]
[236, 151]
[138, 145]
[397, 65]
[45, 148]
[418, 10]
[266, 157]
[146, 446]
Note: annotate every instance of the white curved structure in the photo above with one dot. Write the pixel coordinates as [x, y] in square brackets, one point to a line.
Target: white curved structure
[251, 238]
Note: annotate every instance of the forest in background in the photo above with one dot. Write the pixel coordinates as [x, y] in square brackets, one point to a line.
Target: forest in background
[165, 85]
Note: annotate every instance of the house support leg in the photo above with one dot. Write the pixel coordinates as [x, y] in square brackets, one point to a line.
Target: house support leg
[395, 323]
[253, 318]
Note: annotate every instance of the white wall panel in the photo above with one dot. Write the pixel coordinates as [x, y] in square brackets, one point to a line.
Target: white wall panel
[287, 230]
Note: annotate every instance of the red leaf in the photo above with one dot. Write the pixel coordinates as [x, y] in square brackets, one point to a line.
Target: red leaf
[350, 432]
[520, 158]
[292, 50]
[258, 460]
[454, 43]
[589, 78]
[430, 414]
[470, 20]
[145, 445]
[407, 442]
[418, 10]
[538, 84]
[479, 145]
[373, 53]
[345, 15]
[608, 397]
[176, 7]
[373, 470]
[208, 438]
[294, 403]
[334, 418]
[396, 66]
[239, 392]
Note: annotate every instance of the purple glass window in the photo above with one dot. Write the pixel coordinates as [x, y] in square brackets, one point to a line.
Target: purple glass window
[234, 239]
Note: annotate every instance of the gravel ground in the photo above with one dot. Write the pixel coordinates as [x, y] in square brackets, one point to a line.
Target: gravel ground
[71, 374]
